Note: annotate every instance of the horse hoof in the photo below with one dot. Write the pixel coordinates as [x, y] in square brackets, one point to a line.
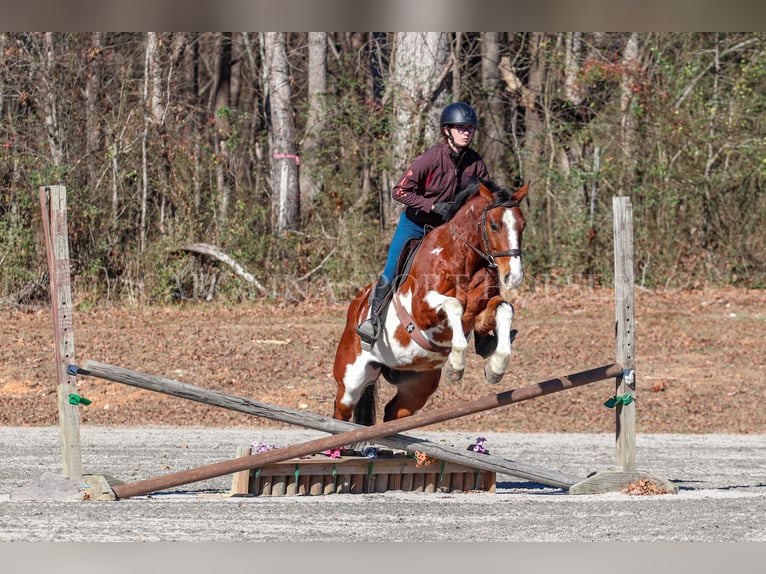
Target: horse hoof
[452, 375]
[491, 377]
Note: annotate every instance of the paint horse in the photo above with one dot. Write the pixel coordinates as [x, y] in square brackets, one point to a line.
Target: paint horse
[460, 280]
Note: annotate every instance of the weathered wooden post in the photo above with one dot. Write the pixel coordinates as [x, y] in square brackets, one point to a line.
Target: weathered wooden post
[624, 400]
[54, 215]
[625, 335]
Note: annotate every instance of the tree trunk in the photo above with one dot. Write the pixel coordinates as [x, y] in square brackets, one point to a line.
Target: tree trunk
[419, 66]
[572, 48]
[284, 161]
[154, 80]
[53, 129]
[712, 154]
[628, 120]
[221, 113]
[255, 107]
[491, 138]
[190, 97]
[534, 137]
[151, 40]
[457, 76]
[317, 88]
[3, 43]
[92, 114]
[157, 129]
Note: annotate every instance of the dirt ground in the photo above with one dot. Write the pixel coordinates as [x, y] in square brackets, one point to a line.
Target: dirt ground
[700, 364]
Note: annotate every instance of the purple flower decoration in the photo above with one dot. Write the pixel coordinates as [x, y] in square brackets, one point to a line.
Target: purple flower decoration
[478, 446]
[260, 447]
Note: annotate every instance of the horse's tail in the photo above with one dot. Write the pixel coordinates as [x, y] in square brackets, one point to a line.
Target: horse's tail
[364, 411]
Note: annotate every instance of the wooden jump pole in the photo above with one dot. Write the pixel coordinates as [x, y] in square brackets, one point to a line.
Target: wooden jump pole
[368, 433]
[318, 422]
[54, 215]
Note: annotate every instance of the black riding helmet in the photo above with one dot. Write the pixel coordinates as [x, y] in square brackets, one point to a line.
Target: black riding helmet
[459, 114]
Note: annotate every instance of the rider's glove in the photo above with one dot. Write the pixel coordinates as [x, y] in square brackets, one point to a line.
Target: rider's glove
[441, 208]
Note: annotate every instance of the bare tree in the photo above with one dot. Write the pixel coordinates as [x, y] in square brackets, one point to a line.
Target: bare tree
[420, 63]
[534, 126]
[284, 160]
[186, 57]
[492, 135]
[573, 91]
[52, 126]
[149, 63]
[221, 110]
[3, 43]
[628, 119]
[317, 88]
[154, 79]
[92, 113]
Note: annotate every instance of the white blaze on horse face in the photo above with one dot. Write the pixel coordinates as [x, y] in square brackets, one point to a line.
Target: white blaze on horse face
[514, 242]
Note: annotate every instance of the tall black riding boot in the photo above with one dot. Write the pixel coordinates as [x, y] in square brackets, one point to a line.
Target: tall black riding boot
[369, 331]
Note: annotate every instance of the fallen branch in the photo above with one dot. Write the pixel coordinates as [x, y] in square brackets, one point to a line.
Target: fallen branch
[318, 267]
[216, 253]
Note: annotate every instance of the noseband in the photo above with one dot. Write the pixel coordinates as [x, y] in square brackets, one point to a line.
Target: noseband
[488, 255]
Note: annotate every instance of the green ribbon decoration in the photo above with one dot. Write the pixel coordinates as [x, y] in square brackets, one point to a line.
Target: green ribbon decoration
[369, 476]
[441, 475]
[623, 400]
[78, 400]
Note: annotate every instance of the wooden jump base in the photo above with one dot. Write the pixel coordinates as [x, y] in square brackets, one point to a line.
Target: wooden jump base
[319, 475]
[361, 433]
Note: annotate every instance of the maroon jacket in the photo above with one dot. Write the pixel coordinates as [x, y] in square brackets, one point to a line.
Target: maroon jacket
[435, 175]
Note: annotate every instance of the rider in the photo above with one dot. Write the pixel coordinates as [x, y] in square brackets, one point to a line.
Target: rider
[427, 188]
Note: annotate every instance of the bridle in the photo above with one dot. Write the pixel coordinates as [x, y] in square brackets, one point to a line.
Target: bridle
[488, 255]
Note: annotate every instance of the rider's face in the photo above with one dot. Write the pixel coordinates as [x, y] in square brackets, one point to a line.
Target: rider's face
[461, 135]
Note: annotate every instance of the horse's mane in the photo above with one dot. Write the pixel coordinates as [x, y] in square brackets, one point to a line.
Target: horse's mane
[499, 194]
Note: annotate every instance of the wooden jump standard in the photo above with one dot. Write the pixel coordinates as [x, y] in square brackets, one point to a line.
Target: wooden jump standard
[379, 432]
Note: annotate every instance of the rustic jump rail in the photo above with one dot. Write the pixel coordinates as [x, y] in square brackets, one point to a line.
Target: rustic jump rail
[356, 435]
[318, 422]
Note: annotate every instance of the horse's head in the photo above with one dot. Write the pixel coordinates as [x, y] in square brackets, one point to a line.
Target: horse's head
[500, 228]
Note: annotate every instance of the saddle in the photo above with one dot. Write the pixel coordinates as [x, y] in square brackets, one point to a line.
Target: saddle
[403, 266]
[406, 257]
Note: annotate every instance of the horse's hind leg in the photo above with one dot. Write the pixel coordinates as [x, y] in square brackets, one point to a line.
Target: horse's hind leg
[412, 394]
[498, 362]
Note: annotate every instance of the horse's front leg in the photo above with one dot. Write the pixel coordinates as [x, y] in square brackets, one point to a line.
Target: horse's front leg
[455, 365]
[498, 362]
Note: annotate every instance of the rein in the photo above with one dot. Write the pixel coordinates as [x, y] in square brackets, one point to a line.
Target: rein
[487, 255]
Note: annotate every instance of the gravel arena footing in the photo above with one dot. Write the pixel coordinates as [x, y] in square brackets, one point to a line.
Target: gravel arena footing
[721, 498]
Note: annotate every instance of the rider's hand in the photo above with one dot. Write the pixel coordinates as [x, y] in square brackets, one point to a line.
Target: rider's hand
[441, 208]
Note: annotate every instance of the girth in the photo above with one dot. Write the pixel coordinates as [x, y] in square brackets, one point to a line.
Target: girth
[415, 332]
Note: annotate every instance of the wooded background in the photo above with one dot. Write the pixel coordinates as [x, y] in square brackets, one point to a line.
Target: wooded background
[278, 151]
